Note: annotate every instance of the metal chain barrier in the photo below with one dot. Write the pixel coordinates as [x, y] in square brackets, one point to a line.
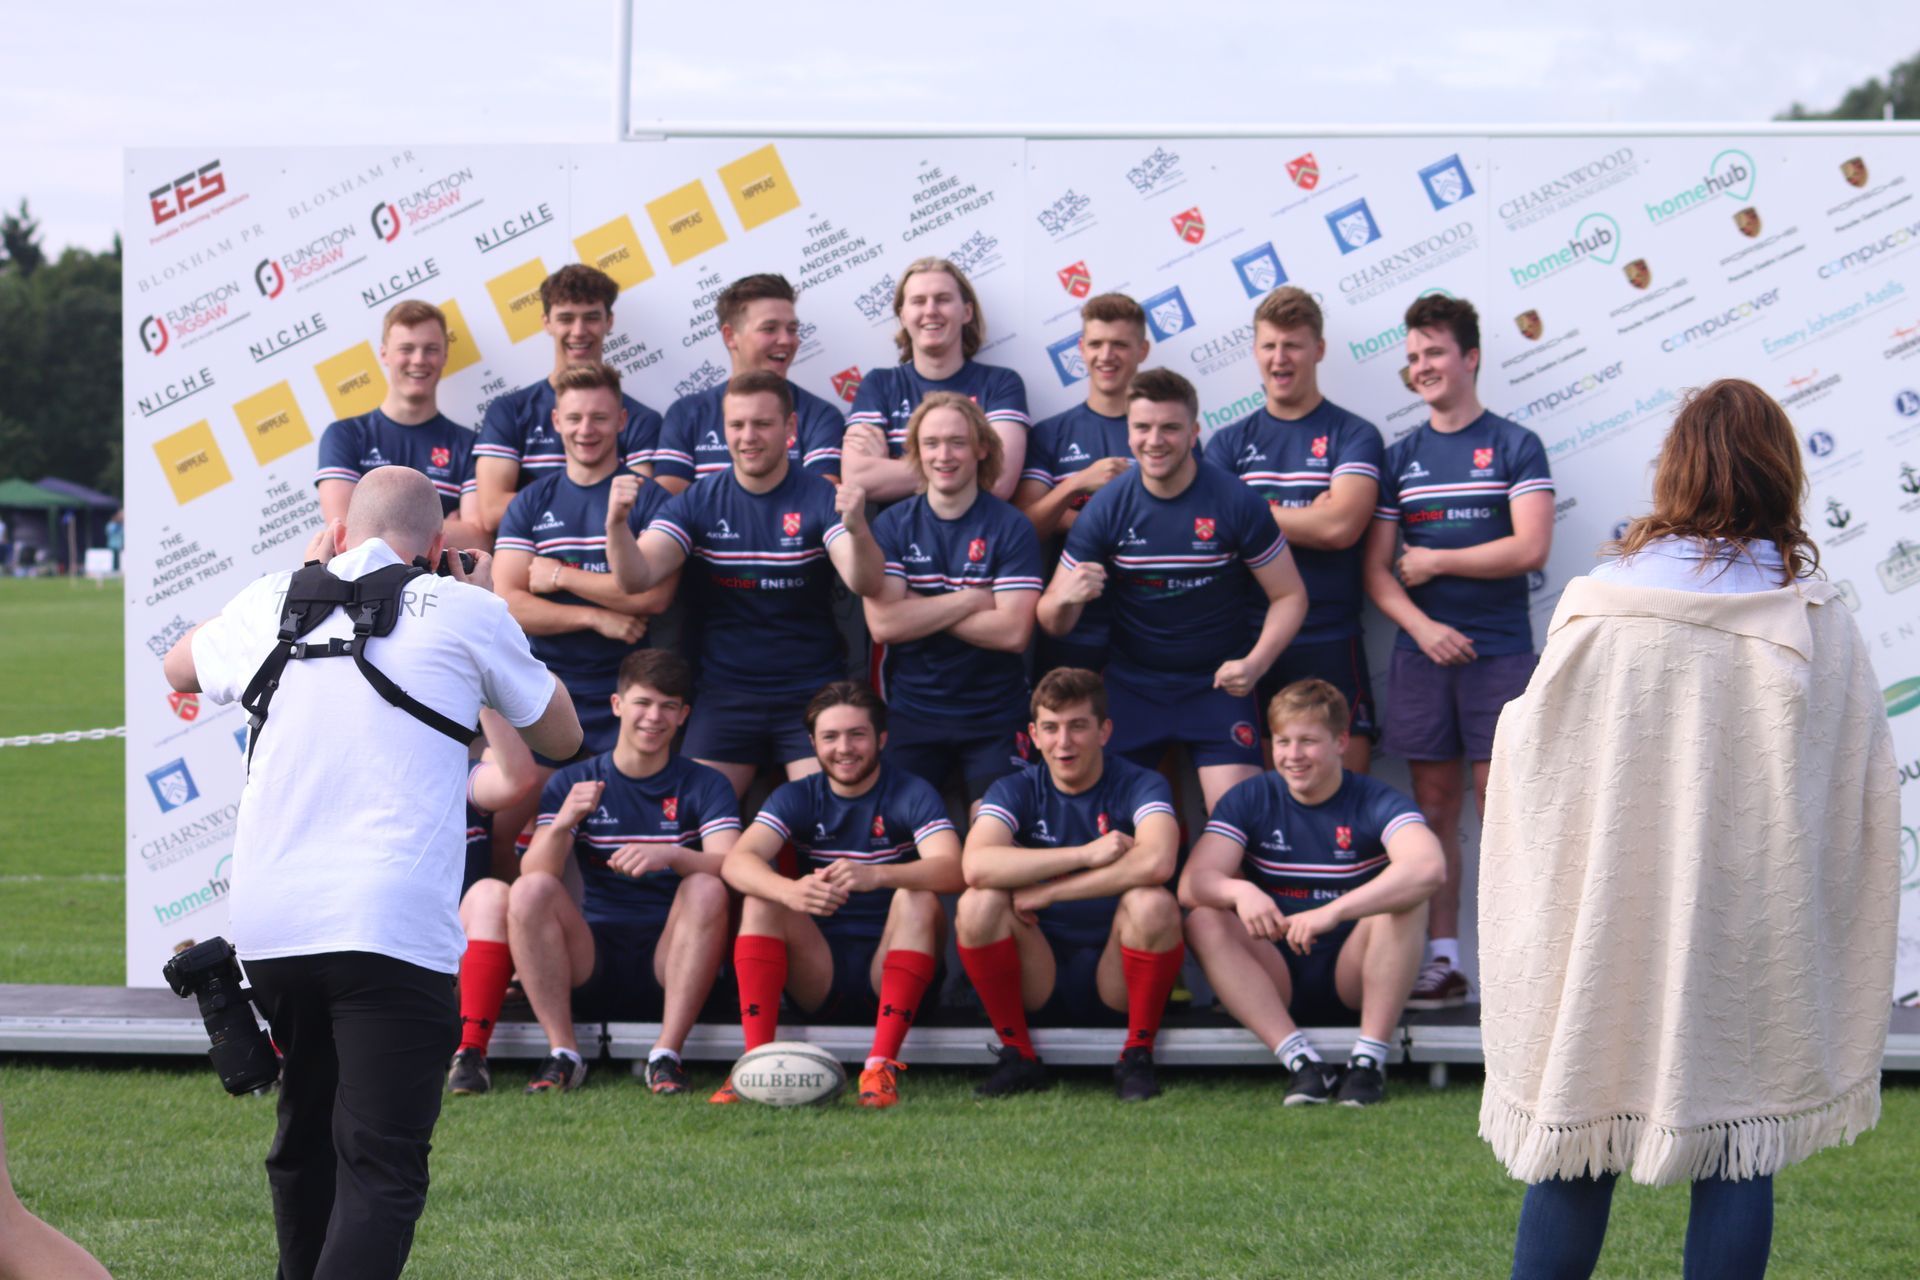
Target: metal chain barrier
[71, 735]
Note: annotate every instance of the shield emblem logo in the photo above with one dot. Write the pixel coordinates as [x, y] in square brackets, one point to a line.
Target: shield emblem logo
[846, 383]
[1170, 317]
[1748, 220]
[1483, 457]
[1243, 733]
[793, 439]
[442, 456]
[1855, 171]
[1190, 225]
[1023, 744]
[1305, 171]
[1100, 822]
[174, 787]
[879, 826]
[1448, 184]
[1353, 228]
[977, 550]
[1072, 365]
[670, 808]
[1528, 322]
[1319, 446]
[1203, 528]
[1076, 280]
[185, 705]
[1639, 274]
[1263, 273]
[1343, 836]
[790, 524]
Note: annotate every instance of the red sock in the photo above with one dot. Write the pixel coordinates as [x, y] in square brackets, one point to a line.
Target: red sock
[1150, 978]
[761, 964]
[904, 976]
[485, 970]
[995, 970]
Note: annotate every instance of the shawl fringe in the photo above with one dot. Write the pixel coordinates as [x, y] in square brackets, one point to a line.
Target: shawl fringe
[1659, 1155]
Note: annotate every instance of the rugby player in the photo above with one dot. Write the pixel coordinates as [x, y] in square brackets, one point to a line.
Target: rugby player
[502, 776]
[1307, 899]
[407, 430]
[941, 329]
[1318, 467]
[765, 534]
[1073, 455]
[517, 437]
[647, 830]
[1178, 546]
[860, 931]
[1466, 513]
[761, 332]
[951, 625]
[1066, 913]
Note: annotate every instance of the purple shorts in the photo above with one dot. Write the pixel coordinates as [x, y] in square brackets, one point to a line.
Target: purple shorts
[1444, 713]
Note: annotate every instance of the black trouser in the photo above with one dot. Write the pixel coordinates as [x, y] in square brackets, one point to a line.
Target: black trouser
[366, 1038]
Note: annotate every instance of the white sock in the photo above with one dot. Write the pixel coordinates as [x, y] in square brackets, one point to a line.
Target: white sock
[1444, 950]
[1365, 1048]
[657, 1053]
[572, 1054]
[875, 1061]
[1294, 1048]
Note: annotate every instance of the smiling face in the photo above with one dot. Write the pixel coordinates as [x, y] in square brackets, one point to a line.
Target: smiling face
[1113, 351]
[757, 433]
[1307, 754]
[579, 331]
[765, 336]
[1289, 363]
[414, 356]
[589, 424]
[1161, 436]
[934, 313]
[950, 454]
[847, 745]
[1437, 370]
[648, 718]
[1071, 739]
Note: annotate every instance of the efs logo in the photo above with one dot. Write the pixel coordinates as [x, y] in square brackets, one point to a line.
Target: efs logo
[269, 278]
[153, 335]
[386, 221]
[188, 191]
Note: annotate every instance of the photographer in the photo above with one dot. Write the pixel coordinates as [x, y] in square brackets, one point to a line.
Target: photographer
[349, 848]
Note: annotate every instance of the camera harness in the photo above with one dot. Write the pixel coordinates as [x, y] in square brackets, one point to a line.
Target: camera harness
[373, 603]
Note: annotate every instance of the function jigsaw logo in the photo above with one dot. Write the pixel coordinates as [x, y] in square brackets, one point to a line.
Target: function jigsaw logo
[1167, 314]
[1353, 226]
[1446, 182]
[1260, 271]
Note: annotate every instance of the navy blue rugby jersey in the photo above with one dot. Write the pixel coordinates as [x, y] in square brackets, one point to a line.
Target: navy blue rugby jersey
[554, 517]
[889, 395]
[886, 823]
[519, 428]
[693, 439]
[1178, 569]
[991, 546]
[761, 582]
[1041, 816]
[479, 834]
[1306, 855]
[1290, 464]
[683, 804]
[439, 448]
[1455, 489]
[1060, 446]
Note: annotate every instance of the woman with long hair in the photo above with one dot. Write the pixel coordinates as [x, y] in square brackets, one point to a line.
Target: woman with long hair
[1689, 869]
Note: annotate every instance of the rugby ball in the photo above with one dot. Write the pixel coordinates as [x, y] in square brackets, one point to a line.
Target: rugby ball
[788, 1073]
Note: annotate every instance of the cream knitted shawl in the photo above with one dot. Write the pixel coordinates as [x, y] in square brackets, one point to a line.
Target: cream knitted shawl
[1688, 888]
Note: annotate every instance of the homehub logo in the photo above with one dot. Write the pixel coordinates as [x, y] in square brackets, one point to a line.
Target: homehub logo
[1731, 174]
[1732, 316]
[1387, 341]
[214, 890]
[1595, 238]
[1579, 387]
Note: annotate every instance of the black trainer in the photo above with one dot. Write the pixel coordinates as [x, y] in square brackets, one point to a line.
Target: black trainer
[558, 1074]
[1312, 1082]
[1362, 1084]
[667, 1075]
[1133, 1075]
[1015, 1074]
[468, 1074]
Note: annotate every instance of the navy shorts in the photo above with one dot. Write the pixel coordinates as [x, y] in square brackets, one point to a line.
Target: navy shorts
[599, 727]
[621, 987]
[1076, 1001]
[1342, 664]
[1215, 726]
[1444, 713]
[1316, 999]
[736, 728]
[850, 996]
[1050, 654]
[982, 752]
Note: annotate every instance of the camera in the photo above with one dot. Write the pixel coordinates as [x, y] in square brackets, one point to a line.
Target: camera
[243, 1056]
[445, 567]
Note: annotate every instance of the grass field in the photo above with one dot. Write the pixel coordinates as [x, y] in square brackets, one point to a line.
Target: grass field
[152, 1167]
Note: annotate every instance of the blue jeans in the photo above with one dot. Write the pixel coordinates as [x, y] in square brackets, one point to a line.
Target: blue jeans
[1562, 1225]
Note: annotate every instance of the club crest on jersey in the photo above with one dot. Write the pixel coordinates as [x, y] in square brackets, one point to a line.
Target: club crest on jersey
[1483, 457]
[1203, 528]
[846, 383]
[977, 550]
[1305, 171]
[185, 705]
[790, 524]
[670, 808]
[1243, 733]
[1343, 836]
[879, 826]
[441, 456]
[1101, 824]
[1023, 744]
[1319, 446]
[1075, 279]
[793, 438]
[1190, 225]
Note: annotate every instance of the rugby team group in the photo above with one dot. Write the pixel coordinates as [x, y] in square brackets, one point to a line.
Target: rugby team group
[1196, 609]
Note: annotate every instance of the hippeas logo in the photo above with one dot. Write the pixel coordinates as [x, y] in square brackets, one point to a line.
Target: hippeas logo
[687, 222]
[192, 460]
[1903, 697]
[273, 423]
[516, 296]
[461, 352]
[614, 247]
[353, 381]
[758, 185]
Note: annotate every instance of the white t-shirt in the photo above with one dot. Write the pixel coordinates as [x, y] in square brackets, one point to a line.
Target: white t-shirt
[352, 827]
[1715, 566]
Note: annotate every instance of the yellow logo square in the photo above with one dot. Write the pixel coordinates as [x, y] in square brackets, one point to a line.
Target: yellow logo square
[758, 185]
[614, 248]
[516, 296]
[353, 381]
[193, 461]
[273, 423]
[461, 351]
[688, 223]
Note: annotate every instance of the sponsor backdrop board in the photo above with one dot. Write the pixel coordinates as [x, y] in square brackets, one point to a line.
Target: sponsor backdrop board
[1611, 274]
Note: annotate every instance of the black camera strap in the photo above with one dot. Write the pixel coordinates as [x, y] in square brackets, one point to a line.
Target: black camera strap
[372, 601]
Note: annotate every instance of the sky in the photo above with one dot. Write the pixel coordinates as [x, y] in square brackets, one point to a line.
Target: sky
[79, 83]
